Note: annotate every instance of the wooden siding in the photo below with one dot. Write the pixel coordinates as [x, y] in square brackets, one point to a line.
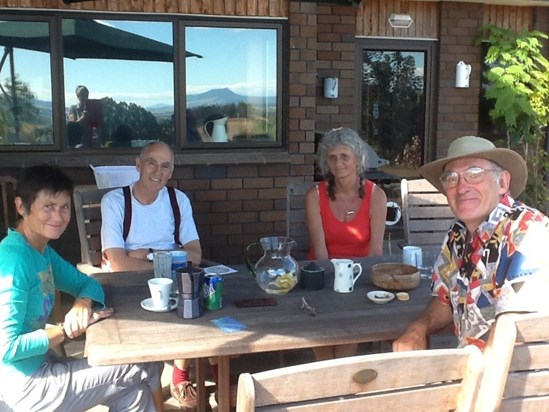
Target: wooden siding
[250, 8]
[373, 16]
[509, 17]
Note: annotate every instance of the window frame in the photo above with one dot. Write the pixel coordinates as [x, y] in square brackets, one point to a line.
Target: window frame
[430, 48]
[179, 23]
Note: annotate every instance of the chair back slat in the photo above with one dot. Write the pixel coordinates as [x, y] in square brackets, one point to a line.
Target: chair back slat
[517, 364]
[9, 214]
[446, 379]
[296, 224]
[426, 215]
[87, 205]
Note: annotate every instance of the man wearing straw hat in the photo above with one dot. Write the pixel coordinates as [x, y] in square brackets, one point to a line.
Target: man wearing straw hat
[493, 259]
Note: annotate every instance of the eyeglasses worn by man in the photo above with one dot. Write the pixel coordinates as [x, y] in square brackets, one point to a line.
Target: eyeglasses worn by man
[493, 259]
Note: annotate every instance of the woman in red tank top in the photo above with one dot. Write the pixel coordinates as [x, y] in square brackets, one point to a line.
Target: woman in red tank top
[345, 213]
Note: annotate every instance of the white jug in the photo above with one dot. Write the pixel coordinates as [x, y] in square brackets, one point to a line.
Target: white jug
[344, 271]
[219, 132]
[463, 72]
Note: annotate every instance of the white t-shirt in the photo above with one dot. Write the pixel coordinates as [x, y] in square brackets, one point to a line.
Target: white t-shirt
[152, 226]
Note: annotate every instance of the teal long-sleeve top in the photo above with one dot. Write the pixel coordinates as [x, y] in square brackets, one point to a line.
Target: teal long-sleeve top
[28, 279]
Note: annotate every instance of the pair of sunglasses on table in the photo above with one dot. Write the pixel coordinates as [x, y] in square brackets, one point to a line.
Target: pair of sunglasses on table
[471, 175]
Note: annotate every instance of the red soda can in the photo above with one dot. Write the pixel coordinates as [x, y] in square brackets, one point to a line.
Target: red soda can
[213, 292]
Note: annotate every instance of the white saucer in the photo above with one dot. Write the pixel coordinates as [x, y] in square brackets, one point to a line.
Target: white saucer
[147, 305]
[380, 296]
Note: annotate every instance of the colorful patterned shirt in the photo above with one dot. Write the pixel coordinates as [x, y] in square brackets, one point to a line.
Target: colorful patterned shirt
[502, 268]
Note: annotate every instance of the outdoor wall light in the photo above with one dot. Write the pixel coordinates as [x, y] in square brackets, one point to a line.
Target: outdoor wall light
[331, 87]
[400, 21]
[463, 73]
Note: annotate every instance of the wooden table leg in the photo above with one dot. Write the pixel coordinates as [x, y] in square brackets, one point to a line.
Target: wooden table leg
[223, 383]
[200, 384]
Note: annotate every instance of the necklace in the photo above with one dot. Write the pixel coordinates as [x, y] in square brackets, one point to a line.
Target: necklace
[349, 214]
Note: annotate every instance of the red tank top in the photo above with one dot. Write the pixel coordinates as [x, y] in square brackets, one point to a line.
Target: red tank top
[345, 239]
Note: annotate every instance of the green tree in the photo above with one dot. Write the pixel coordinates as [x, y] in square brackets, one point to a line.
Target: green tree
[21, 118]
[142, 122]
[519, 86]
[393, 108]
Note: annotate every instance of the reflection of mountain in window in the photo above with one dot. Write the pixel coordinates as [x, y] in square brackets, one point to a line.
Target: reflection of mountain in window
[128, 66]
[236, 79]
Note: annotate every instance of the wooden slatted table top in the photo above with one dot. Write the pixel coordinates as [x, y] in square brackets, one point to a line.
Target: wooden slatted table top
[133, 334]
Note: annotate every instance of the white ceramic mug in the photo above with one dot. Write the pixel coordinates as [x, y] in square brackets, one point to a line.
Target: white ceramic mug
[162, 264]
[345, 277]
[160, 292]
[412, 255]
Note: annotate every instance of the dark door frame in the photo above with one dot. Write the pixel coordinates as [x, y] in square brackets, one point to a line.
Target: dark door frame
[430, 48]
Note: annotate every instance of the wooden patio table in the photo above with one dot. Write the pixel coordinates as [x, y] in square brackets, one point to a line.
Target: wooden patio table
[135, 335]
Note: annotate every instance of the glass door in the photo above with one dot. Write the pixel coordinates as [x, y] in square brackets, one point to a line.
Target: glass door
[395, 101]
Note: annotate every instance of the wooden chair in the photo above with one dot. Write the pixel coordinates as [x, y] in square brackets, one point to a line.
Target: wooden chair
[426, 215]
[296, 224]
[429, 380]
[517, 365]
[9, 214]
[87, 205]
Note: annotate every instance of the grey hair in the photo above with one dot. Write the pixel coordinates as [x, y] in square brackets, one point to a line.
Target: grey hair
[341, 136]
[497, 170]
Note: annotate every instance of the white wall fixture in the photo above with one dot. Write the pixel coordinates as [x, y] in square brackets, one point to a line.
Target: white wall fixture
[400, 21]
[463, 73]
[331, 87]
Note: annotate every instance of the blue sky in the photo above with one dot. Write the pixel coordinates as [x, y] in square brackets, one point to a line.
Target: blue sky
[242, 69]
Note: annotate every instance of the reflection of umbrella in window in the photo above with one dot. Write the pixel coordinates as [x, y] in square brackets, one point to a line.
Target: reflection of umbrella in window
[81, 39]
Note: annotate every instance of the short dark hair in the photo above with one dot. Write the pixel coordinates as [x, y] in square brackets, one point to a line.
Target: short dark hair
[39, 178]
[81, 88]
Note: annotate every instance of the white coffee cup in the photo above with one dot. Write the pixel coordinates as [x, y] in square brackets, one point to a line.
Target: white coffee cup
[412, 255]
[160, 292]
[345, 277]
[162, 264]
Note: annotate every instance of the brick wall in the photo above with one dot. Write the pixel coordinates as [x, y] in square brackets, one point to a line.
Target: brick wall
[457, 108]
[336, 58]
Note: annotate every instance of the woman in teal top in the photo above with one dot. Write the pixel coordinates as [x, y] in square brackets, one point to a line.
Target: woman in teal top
[32, 376]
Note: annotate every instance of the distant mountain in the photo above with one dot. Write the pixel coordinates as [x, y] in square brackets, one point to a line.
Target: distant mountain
[214, 97]
[219, 97]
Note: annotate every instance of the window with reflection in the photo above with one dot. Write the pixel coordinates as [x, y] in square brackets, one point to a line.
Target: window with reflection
[231, 89]
[25, 92]
[119, 84]
[395, 116]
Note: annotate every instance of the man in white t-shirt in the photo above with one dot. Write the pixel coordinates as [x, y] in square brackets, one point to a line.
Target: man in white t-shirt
[152, 218]
[152, 226]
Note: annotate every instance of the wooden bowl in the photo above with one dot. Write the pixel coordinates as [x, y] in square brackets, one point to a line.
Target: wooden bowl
[395, 276]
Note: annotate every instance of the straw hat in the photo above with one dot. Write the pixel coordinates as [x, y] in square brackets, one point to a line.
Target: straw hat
[473, 146]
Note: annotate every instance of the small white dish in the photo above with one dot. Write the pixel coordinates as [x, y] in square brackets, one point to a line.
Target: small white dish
[148, 305]
[380, 296]
[219, 270]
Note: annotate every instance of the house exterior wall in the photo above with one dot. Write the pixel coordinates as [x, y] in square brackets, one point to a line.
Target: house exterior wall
[235, 201]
